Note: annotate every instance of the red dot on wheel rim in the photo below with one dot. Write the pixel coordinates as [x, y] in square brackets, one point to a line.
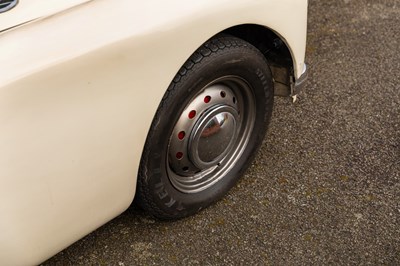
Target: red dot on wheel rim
[179, 155]
[181, 135]
[192, 114]
[207, 99]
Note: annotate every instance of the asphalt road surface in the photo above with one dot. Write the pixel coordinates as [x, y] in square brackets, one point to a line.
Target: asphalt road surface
[324, 188]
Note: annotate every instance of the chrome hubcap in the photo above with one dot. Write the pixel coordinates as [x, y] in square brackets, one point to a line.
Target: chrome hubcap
[210, 134]
[213, 136]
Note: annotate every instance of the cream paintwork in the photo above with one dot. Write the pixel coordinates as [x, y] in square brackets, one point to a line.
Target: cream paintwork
[77, 97]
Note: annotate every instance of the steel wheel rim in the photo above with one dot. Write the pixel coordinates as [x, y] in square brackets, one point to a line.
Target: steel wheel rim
[211, 134]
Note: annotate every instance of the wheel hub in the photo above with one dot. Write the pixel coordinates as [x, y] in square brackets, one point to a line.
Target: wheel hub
[204, 132]
[209, 136]
[212, 136]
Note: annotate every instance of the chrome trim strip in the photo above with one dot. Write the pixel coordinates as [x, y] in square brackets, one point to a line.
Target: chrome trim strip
[8, 6]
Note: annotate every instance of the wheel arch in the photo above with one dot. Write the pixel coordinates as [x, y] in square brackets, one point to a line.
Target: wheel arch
[274, 48]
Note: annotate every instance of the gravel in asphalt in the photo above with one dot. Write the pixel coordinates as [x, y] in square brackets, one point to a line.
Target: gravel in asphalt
[324, 188]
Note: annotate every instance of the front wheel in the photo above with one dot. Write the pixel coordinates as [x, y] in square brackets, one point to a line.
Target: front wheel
[207, 129]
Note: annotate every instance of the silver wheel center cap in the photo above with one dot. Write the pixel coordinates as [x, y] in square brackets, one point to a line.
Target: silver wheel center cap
[213, 136]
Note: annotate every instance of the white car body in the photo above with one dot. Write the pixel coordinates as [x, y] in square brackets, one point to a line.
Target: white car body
[80, 83]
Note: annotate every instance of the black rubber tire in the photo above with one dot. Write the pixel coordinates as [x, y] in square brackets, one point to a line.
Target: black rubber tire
[220, 56]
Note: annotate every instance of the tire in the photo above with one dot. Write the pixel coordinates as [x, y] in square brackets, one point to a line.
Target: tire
[207, 129]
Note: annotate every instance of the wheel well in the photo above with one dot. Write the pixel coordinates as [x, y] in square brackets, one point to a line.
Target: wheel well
[275, 51]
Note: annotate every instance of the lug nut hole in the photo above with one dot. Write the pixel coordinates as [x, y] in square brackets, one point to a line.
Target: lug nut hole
[223, 94]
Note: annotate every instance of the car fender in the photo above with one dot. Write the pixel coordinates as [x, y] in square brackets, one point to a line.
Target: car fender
[78, 92]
